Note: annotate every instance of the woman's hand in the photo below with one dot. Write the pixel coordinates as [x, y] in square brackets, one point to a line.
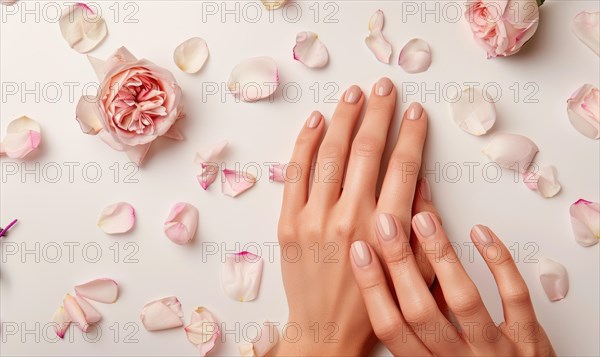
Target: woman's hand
[420, 326]
[320, 220]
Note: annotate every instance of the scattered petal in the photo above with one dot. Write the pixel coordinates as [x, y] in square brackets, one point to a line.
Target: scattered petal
[276, 172]
[586, 26]
[208, 176]
[162, 314]
[117, 218]
[101, 290]
[91, 314]
[415, 56]
[544, 181]
[212, 155]
[241, 276]
[554, 278]
[62, 321]
[88, 115]
[22, 137]
[203, 330]
[584, 111]
[585, 220]
[266, 339]
[511, 151]
[472, 112]
[75, 312]
[182, 223]
[235, 183]
[310, 51]
[273, 4]
[82, 28]
[191, 55]
[254, 79]
[376, 42]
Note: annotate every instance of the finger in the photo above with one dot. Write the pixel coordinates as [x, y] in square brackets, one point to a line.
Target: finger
[297, 172]
[388, 324]
[423, 203]
[398, 188]
[333, 153]
[461, 294]
[514, 293]
[369, 143]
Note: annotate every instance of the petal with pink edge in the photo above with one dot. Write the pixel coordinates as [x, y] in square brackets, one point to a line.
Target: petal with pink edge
[91, 314]
[273, 4]
[254, 79]
[241, 276]
[76, 313]
[117, 218]
[212, 154]
[101, 290]
[376, 42]
[22, 137]
[61, 322]
[554, 279]
[82, 28]
[162, 314]
[277, 173]
[181, 224]
[191, 55]
[209, 174]
[472, 112]
[586, 26]
[544, 181]
[585, 221]
[583, 108]
[511, 151]
[203, 330]
[415, 56]
[235, 183]
[310, 51]
[259, 346]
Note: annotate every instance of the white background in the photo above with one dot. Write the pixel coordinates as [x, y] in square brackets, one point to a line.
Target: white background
[51, 214]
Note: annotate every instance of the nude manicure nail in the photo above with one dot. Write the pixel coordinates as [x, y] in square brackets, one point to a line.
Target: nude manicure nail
[415, 110]
[313, 120]
[360, 253]
[425, 190]
[352, 95]
[384, 87]
[482, 234]
[425, 224]
[386, 226]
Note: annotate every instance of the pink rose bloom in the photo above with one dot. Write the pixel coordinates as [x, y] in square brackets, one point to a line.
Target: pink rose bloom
[138, 101]
[502, 27]
[584, 111]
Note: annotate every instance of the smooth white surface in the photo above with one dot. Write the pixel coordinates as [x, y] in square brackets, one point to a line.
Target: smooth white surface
[51, 214]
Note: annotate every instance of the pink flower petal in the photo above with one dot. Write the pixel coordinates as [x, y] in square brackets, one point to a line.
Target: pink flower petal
[162, 314]
[91, 314]
[137, 153]
[273, 4]
[472, 112]
[203, 330]
[544, 181]
[585, 221]
[554, 279]
[75, 312]
[191, 55]
[415, 56]
[241, 276]
[181, 224]
[88, 115]
[62, 320]
[99, 67]
[235, 183]
[586, 26]
[82, 28]
[117, 218]
[208, 176]
[254, 79]
[174, 134]
[267, 338]
[277, 172]
[102, 290]
[511, 151]
[310, 51]
[211, 155]
[22, 137]
[376, 42]
[584, 111]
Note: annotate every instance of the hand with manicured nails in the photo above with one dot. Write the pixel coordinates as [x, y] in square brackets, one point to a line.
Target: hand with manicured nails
[411, 321]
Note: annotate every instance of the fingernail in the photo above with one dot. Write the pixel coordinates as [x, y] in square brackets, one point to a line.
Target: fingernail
[352, 95]
[360, 253]
[386, 226]
[425, 224]
[384, 87]
[415, 110]
[313, 120]
[425, 190]
[482, 234]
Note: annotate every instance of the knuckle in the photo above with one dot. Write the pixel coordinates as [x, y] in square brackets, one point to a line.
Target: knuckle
[367, 147]
[404, 163]
[388, 329]
[286, 231]
[517, 296]
[398, 255]
[332, 151]
[465, 303]
[344, 228]
[420, 314]
[313, 230]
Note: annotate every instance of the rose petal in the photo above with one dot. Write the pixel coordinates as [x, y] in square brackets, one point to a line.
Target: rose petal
[88, 115]
[276, 172]
[82, 28]
[234, 183]
[415, 56]
[241, 276]
[174, 134]
[76, 314]
[310, 51]
[203, 330]
[472, 112]
[208, 176]
[554, 279]
[585, 221]
[137, 153]
[117, 218]
[99, 66]
[211, 155]
[191, 55]
[511, 151]
[586, 26]
[162, 314]
[544, 181]
[584, 111]
[22, 137]
[254, 79]
[62, 321]
[273, 4]
[266, 339]
[91, 314]
[182, 222]
[376, 42]
[102, 290]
